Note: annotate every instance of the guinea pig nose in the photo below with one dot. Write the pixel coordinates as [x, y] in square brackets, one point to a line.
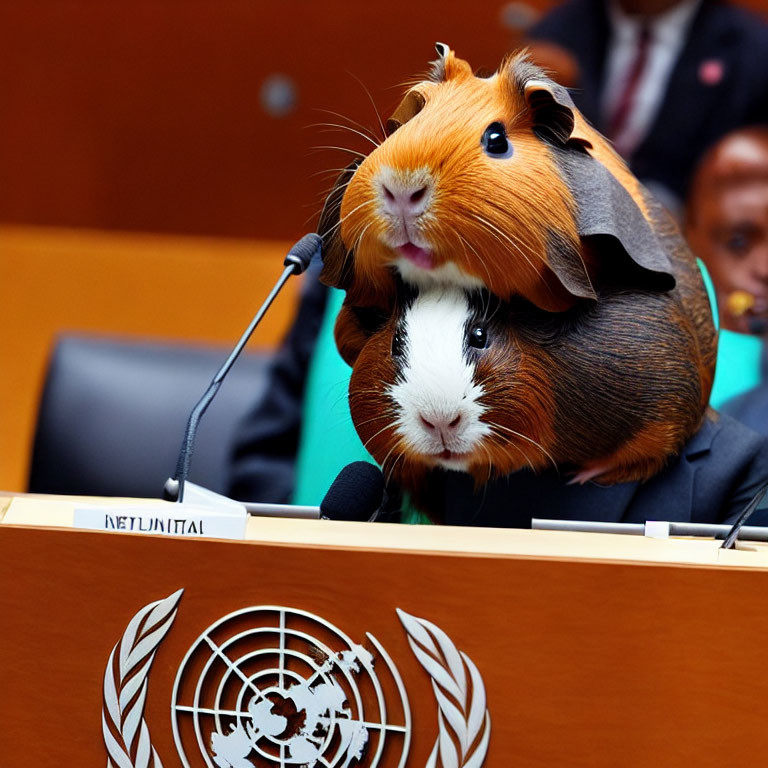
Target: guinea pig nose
[404, 199]
[442, 424]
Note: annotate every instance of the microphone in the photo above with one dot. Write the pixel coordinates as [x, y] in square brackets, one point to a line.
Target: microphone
[738, 526]
[297, 260]
[357, 494]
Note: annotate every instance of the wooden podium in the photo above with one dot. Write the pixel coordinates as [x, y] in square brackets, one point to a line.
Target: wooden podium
[322, 643]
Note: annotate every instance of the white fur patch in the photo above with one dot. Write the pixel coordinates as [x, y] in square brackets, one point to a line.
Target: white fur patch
[437, 383]
[444, 275]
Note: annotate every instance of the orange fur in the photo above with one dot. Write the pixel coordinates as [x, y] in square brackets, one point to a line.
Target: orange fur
[491, 218]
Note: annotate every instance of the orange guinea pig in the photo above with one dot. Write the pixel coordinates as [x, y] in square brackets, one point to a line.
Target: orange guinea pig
[494, 183]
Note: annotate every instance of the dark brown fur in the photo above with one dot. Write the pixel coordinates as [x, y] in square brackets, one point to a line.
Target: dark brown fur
[610, 386]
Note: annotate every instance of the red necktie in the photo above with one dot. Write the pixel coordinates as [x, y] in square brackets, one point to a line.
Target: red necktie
[618, 120]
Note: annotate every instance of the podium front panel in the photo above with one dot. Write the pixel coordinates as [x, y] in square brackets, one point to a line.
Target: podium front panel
[298, 653]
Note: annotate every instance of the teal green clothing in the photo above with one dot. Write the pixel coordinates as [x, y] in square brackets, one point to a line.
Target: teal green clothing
[738, 365]
[738, 355]
[328, 438]
[329, 441]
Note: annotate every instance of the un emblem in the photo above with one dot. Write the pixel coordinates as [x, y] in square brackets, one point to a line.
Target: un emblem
[275, 687]
[287, 688]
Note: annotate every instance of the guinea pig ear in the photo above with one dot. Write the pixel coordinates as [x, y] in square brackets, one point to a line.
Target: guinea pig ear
[550, 105]
[551, 108]
[354, 326]
[437, 72]
[448, 65]
[337, 261]
[409, 107]
[608, 217]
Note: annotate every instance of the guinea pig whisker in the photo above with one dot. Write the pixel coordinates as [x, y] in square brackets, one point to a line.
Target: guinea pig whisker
[510, 235]
[375, 418]
[391, 472]
[351, 151]
[489, 460]
[466, 244]
[337, 126]
[525, 456]
[388, 476]
[487, 303]
[350, 120]
[496, 426]
[362, 235]
[373, 104]
[502, 237]
[327, 172]
[348, 214]
[316, 213]
[387, 426]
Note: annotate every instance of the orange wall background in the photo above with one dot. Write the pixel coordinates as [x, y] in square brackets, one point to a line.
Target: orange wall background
[145, 115]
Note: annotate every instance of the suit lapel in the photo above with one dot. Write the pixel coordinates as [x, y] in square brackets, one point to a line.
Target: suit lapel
[513, 500]
[706, 42]
[672, 494]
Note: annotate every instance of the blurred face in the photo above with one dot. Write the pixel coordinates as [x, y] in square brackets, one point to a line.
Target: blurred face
[728, 230]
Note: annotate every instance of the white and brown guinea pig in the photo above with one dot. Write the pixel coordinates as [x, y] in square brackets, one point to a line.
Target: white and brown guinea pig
[460, 380]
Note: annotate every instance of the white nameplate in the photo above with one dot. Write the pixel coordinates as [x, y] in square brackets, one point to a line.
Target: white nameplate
[189, 520]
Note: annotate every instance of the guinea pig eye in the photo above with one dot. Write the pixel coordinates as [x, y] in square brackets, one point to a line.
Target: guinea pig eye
[495, 142]
[398, 343]
[478, 337]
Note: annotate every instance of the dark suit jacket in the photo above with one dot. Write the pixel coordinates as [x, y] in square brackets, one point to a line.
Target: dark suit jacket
[693, 114]
[720, 470]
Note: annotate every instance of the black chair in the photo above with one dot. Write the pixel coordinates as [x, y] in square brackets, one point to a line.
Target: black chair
[113, 415]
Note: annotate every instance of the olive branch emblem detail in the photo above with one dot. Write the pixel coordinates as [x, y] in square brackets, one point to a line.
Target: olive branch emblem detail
[126, 734]
[463, 719]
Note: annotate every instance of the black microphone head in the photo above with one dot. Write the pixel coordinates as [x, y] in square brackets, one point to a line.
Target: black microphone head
[302, 253]
[357, 493]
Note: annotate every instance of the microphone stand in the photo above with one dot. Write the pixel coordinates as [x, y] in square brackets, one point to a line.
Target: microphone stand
[295, 262]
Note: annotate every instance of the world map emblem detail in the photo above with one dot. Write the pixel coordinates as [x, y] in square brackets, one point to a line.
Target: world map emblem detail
[276, 686]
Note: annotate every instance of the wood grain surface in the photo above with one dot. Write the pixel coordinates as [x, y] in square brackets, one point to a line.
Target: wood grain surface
[585, 663]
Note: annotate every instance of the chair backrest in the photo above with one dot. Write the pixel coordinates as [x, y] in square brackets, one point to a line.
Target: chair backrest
[113, 415]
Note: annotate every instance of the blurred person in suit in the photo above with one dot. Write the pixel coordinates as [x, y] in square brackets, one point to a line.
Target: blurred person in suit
[663, 79]
[726, 224]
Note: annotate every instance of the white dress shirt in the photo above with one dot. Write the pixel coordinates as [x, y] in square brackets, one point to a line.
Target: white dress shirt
[668, 35]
